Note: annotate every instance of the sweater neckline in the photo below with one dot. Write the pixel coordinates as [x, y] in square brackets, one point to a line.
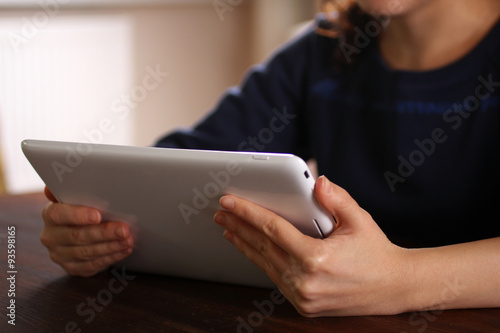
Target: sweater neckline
[488, 47]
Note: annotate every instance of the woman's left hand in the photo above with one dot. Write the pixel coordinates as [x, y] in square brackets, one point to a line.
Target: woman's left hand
[355, 271]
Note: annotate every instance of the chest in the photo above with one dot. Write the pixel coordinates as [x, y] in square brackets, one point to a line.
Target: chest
[404, 148]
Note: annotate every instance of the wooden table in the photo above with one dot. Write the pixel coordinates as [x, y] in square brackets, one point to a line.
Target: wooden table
[48, 300]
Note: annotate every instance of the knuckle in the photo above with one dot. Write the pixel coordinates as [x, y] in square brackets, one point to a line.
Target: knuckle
[45, 238]
[69, 269]
[290, 279]
[54, 257]
[249, 212]
[76, 235]
[263, 246]
[267, 268]
[313, 262]
[311, 265]
[307, 290]
[100, 263]
[269, 227]
[84, 253]
[306, 303]
[307, 309]
[51, 214]
[113, 247]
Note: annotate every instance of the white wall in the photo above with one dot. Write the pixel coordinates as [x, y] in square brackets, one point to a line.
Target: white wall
[60, 83]
[275, 21]
[203, 55]
[202, 50]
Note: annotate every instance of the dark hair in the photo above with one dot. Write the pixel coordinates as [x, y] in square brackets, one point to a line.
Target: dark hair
[342, 20]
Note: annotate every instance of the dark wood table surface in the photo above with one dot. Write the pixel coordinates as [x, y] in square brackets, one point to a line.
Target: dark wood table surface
[48, 300]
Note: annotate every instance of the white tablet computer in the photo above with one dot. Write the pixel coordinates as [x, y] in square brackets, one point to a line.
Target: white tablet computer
[169, 197]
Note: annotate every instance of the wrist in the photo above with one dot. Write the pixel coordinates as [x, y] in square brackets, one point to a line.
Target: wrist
[397, 291]
[431, 280]
[406, 280]
[412, 283]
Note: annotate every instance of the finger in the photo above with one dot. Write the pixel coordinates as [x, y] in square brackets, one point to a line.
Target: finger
[93, 234]
[259, 248]
[286, 272]
[63, 214]
[91, 251]
[339, 203]
[49, 195]
[92, 267]
[277, 229]
[267, 266]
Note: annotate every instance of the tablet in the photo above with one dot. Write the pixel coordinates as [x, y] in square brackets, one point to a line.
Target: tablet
[169, 196]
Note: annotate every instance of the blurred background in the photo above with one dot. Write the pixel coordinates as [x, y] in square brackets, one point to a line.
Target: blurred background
[124, 72]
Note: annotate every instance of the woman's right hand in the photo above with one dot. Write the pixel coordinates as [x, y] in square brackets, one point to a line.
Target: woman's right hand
[79, 242]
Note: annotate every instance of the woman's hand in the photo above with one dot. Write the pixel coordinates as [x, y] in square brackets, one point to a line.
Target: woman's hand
[355, 271]
[79, 242]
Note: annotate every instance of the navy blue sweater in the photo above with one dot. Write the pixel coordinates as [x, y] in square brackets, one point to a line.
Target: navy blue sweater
[418, 150]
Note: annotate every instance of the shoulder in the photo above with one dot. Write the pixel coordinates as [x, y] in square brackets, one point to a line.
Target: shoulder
[302, 57]
[492, 45]
[307, 44]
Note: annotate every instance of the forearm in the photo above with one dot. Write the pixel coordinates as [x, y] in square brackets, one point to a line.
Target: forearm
[357, 270]
[457, 276]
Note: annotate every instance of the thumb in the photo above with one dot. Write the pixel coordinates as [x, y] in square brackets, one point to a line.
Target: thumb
[340, 204]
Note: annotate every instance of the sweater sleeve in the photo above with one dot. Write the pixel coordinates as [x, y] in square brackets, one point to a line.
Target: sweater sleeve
[264, 114]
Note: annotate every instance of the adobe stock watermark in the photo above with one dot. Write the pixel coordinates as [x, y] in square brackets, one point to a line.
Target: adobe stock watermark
[223, 6]
[451, 291]
[122, 106]
[454, 118]
[102, 299]
[293, 279]
[32, 25]
[266, 135]
[371, 30]
[220, 179]
[120, 110]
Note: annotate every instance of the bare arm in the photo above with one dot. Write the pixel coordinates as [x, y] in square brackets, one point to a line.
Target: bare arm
[357, 270]
[456, 276]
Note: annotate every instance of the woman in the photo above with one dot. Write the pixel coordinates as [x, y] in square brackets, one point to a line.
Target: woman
[398, 102]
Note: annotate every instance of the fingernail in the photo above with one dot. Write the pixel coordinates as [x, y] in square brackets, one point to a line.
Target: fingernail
[227, 203]
[325, 185]
[125, 243]
[220, 218]
[228, 235]
[120, 232]
[127, 251]
[93, 216]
